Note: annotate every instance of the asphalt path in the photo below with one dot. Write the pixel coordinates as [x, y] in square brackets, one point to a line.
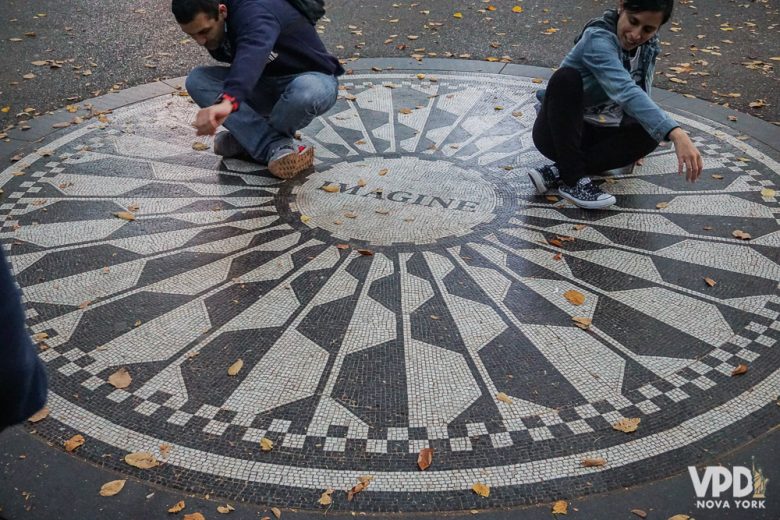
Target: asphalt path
[722, 50]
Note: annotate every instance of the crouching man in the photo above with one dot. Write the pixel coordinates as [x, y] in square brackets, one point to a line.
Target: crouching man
[280, 78]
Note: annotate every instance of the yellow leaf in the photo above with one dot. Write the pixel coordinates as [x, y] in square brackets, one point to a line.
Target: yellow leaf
[225, 509]
[383, 172]
[537, 80]
[125, 215]
[194, 516]
[110, 489]
[305, 218]
[593, 463]
[199, 147]
[120, 379]
[425, 458]
[40, 415]
[141, 460]
[583, 323]
[561, 507]
[768, 192]
[458, 15]
[717, 176]
[325, 498]
[330, 188]
[741, 369]
[40, 336]
[421, 76]
[266, 444]
[517, 9]
[680, 517]
[177, 507]
[5, 110]
[662, 205]
[627, 425]
[74, 442]
[481, 489]
[501, 396]
[574, 297]
[276, 512]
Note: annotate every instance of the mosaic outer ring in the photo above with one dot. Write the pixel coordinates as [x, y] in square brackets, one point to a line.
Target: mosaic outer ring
[537, 460]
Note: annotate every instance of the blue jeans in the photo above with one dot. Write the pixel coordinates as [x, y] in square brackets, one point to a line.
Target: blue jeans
[277, 107]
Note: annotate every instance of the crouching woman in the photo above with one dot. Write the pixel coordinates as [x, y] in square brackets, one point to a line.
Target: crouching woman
[596, 112]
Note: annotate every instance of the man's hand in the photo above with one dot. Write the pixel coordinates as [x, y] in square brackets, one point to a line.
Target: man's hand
[688, 157]
[210, 118]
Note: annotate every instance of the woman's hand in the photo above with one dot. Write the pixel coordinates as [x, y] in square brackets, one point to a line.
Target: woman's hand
[688, 157]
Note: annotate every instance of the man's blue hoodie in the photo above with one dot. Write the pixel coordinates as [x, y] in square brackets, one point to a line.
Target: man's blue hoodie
[269, 37]
[22, 375]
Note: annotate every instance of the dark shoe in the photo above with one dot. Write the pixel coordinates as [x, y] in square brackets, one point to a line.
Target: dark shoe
[586, 195]
[286, 162]
[229, 148]
[545, 178]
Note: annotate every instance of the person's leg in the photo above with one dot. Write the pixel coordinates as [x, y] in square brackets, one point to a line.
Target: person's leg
[615, 147]
[557, 131]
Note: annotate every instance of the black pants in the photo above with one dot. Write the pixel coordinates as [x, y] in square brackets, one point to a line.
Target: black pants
[579, 148]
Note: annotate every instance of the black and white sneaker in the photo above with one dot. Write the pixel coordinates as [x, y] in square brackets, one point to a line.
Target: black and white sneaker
[545, 178]
[586, 195]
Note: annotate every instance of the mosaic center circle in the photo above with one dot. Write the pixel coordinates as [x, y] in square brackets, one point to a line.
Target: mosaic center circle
[454, 333]
[391, 200]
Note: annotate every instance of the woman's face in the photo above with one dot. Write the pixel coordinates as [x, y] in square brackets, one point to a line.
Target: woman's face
[635, 28]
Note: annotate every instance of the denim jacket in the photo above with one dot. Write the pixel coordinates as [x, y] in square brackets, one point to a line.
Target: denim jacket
[599, 58]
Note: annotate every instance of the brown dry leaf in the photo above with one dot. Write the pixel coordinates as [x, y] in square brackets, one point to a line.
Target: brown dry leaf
[481, 489]
[583, 323]
[680, 517]
[74, 442]
[40, 415]
[574, 297]
[627, 425]
[741, 369]
[194, 516]
[276, 512]
[342, 246]
[125, 215]
[710, 282]
[561, 507]
[579, 227]
[551, 198]
[501, 396]
[165, 450]
[142, 460]
[64, 124]
[361, 182]
[717, 176]
[759, 103]
[236, 367]
[738, 233]
[639, 513]
[557, 257]
[405, 111]
[537, 80]
[227, 508]
[365, 252]
[40, 336]
[177, 507]
[555, 242]
[120, 379]
[421, 76]
[593, 463]
[383, 172]
[768, 192]
[357, 488]
[266, 444]
[29, 76]
[330, 188]
[199, 147]
[425, 458]
[662, 205]
[325, 498]
[110, 489]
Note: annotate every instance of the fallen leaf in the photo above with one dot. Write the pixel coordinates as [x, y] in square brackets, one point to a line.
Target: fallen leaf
[227, 508]
[330, 188]
[583, 323]
[64, 124]
[759, 103]
[425, 458]
[194, 516]
[680, 517]
[593, 463]
[365, 252]
[266, 444]
[557, 257]
[768, 192]
[120, 379]
[74, 442]
[305, 218]
[110, 489]
[639, 513]
[276, 512]
[561, 507]
[165, 450]
[142, 460]
[350, 214]
[382, 211]
[40, 336]
[717, 176]
[574, 297]
[662, 205]
[177, 507]
[405, 111]
[627, 425]
[421, 76]
[29, 76]
[481, 489]
[325, 498]
[554, 242]
[551, 198]
[342, 246]
[501, 396]
[738, 233]
[40, 415]
[537, 80]
[710, 282]
[383, 172]
[125, 215]
[741, 369]
[458, 15]
[517, 9]
[579, 227]
[361, 182]
[199, 147]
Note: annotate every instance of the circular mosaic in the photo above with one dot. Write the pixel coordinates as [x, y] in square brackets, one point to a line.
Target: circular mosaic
[412, 292]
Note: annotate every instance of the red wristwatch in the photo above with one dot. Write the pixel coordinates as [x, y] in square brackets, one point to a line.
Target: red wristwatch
[233, 101]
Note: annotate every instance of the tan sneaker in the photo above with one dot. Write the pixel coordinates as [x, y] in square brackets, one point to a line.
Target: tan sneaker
[286, 163]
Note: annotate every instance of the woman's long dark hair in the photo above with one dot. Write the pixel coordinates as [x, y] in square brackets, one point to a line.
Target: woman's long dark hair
[637, 6]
